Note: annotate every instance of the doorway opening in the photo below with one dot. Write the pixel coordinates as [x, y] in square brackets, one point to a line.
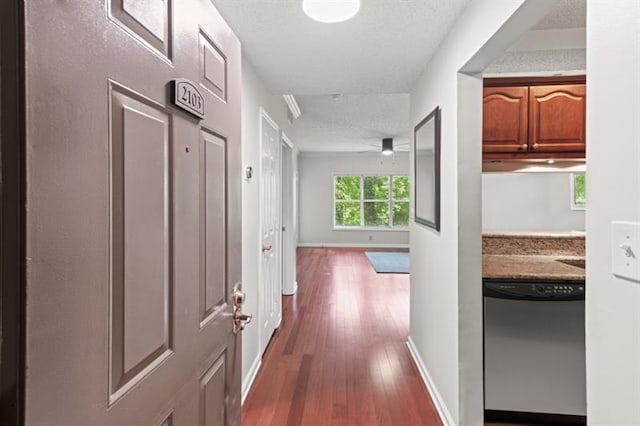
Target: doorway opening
[287, 217]
[470, 203]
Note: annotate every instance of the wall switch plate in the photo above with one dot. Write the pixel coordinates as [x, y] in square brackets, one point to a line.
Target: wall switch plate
[625, 250]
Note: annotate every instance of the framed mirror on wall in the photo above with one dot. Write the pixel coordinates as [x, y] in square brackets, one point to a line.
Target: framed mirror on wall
[427, 170]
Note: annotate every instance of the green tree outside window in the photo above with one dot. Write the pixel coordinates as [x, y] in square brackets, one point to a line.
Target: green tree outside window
[400, 189]
[579, 190]
[371, 201]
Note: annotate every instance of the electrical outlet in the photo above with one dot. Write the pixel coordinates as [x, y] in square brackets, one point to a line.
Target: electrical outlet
[625, 250]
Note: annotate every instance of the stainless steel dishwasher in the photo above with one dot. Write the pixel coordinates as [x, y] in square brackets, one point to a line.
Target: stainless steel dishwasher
[534, 348]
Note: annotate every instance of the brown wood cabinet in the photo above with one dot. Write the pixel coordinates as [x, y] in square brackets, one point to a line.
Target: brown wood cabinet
[536, 118]
[504, 119]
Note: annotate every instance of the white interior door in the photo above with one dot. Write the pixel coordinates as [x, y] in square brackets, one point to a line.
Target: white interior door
[270, 284]
[133, 214]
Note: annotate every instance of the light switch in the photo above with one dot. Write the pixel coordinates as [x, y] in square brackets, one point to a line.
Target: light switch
[625, 249]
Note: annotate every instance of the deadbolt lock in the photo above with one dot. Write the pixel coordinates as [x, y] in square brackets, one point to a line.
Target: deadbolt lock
[238, 298]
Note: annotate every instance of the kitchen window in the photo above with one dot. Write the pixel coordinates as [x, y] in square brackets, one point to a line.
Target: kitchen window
[371, 201]
[578, 191]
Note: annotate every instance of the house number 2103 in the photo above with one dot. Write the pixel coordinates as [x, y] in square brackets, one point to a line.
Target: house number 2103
[186, 96]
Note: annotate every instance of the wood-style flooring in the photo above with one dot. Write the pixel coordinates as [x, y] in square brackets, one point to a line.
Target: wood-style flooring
[340, 355]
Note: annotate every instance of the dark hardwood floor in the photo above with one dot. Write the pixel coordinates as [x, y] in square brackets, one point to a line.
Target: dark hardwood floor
[340, 354]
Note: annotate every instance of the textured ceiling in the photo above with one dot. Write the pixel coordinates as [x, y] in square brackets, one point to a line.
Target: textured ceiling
[539, 61]
[556, 45]
[352, 122]
[372, 59]
[567, 14]
[383, 49]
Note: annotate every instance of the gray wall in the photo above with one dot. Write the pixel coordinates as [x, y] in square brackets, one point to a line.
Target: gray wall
[446, 285]
[254, 96]
[316, 173]
[534, 202]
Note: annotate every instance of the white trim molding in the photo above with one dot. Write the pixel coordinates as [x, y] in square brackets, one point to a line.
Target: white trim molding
[287, 141]
[293, 106]
[250, 377]
[354, 245]
[295, 289]
[438, 401]
[399, 228]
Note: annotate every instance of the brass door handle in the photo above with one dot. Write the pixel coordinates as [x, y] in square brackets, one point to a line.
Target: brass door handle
[239, 319]
[535, 146]
[524, 146]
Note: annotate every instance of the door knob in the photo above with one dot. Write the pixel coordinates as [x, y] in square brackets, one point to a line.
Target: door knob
[239, 319]
[524, 147]
[535, 146]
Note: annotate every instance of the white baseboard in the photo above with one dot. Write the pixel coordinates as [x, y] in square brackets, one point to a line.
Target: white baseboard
[354, 245]
[443, 411]
[295, 289]
[251, 376]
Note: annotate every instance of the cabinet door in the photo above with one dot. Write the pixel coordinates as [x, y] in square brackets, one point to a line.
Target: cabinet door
[504, 119]
[557, 118]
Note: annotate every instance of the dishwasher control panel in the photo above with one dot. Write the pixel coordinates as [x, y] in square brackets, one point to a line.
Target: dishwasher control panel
[527, 290]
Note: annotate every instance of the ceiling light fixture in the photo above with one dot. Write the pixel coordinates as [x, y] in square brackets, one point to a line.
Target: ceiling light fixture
[331, 11]
[387, 146]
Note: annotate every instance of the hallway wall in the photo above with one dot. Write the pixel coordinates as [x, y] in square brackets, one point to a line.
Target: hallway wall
[445, 305]
[316, 198]
[254, 96]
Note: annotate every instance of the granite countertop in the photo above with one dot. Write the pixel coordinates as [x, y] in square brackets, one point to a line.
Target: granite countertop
[533, 256]
[531, 267]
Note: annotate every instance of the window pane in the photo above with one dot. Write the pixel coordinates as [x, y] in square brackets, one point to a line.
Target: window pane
[347, 214]
[376, 213]
[400, 187]
[579, 188]
[348, 188]
[376, 188]
[401, 213]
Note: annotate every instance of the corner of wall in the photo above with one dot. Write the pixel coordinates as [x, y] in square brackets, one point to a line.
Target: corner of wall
[438, 401]
[250, 377]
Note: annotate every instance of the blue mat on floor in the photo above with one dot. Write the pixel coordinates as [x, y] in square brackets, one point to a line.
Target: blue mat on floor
[389, 262]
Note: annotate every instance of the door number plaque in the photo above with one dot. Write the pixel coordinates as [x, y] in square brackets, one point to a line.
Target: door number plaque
[186, 96]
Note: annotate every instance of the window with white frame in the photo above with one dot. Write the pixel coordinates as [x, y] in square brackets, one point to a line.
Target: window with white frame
[578, 191]
[371, 201]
